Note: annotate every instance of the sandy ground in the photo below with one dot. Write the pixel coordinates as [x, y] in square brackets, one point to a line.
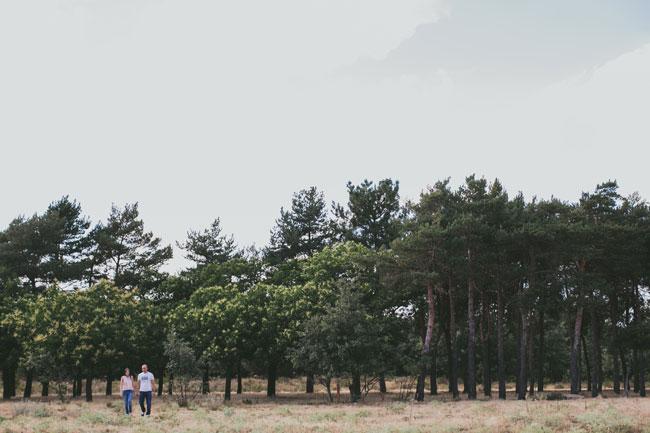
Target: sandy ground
[294, 412]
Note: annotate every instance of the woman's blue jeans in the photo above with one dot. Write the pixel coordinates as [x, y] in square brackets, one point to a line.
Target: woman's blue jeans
[127, 396]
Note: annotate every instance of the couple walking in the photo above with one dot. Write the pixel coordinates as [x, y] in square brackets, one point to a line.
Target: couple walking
[146, 388]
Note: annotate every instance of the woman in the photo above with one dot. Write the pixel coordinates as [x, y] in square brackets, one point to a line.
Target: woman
[126, 388]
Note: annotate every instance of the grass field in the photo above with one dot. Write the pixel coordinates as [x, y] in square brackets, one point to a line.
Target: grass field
[294, 412]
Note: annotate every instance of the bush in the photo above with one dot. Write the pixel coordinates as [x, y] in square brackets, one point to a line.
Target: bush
[555, 396]
[183, 366]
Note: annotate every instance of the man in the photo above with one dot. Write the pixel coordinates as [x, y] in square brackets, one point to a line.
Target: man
[147, 387]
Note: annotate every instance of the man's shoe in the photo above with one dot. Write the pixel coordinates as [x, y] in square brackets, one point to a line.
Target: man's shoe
[142, 414]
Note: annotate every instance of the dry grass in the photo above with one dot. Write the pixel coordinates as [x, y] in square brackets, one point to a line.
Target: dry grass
[294, 413]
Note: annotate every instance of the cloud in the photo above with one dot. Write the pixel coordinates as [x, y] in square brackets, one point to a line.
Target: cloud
[201, 108]
[524, 41]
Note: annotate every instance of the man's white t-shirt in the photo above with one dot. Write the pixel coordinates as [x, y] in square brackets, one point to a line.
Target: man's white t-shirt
[145, 380]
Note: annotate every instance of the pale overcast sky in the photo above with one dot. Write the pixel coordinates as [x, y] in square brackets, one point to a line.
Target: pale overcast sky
[206, 108]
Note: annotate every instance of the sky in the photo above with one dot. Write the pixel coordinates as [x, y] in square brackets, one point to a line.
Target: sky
[200, 109]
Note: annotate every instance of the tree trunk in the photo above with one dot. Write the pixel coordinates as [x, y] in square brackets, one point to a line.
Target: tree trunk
[541, 356]
[485, 348]
[29, 378]
[89, 387]
[328, 388]
[433, 373]
[614, 345]
[595, 354]
[626, 373]
[226, 393]
[523, 379]
[45, 389]
[575, 351]
[426, 347]
[587, 363]
[76, 389]
[205, 381]
[170, 384]
[500, 356]
[642, 390]
[109, 383]
[531, 359]
[616, 373]
[272, 377]
[239, 383]
[355, 388]
[471, 342]
[635, 367]
[382, 383]
[453, 350]
[8, 382]
[309, 389]
[161, 382]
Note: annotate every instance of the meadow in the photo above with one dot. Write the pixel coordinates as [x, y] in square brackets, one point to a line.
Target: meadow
[294, 412]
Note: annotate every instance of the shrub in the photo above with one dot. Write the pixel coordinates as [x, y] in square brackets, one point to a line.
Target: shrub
[555, 396]
[609, 421]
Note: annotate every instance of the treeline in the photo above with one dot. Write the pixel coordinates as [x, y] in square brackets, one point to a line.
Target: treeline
[468, 285]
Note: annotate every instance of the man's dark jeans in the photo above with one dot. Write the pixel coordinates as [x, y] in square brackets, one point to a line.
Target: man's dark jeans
[145, 395]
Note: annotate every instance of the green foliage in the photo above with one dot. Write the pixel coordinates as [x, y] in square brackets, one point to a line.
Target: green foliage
[466, 280]
[209, 246]
[372, 214]
[182, 364]
[301, 230]
[125, 253]
[337, 342]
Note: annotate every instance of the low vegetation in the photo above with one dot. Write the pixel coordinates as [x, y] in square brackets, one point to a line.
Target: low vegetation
[296, 414]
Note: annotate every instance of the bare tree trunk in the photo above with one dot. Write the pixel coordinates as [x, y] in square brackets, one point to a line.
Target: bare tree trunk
[382, 383]
[426, 347]
[161, 382]
[433, 373]
[626, 373]
[617, 372]
[309, 387]
[541, 356]
[635, 367]
[89, 387]
[227, 388]
[170, 384]
[453, 350]
[523, 380]
[642, 390]
[45, 389]
[613, 311]
[271, 379]
[205, 381]
[29, 378]
[595, 354]
[587, 363]
[355, 388]
[239, 381]
[500, 356]
[109, 383]
[76, 386]
[484, 330]
[575, 351]
[531, 359]
[471, 341]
